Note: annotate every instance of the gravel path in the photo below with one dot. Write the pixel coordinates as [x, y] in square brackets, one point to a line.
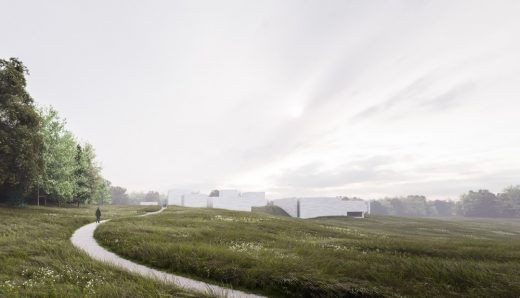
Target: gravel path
[83, 238]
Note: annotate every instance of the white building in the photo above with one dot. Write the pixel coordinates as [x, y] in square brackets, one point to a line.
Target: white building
[175, 196]
[260, 195]
[322, 206]
[228, 193]
[232, 199]
[149, 203]
[229, 199]
[195, 200]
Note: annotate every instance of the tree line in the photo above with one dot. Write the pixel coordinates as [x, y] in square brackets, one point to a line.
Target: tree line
[481, 203]
[40, 160]
[121, 197]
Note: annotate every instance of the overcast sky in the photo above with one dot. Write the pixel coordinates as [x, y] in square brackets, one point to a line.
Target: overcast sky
[365, 98]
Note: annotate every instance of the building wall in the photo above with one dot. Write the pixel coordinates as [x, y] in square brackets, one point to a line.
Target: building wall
[238, 204]
[316, 207]
[148, 203]
[231, 199]
[175, 196]
[289, 205]
[195, 200]
[320, 206]
[228, 193]
[254, 195]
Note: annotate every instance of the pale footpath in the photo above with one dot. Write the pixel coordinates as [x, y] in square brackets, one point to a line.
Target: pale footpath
[83, 238]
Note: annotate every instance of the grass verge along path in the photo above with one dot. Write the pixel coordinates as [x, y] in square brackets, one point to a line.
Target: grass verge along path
[277, 256]
[37, 258]
[83, 238]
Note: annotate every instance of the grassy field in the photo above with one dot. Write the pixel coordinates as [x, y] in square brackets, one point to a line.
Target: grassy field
[37, 258]
[279, 256]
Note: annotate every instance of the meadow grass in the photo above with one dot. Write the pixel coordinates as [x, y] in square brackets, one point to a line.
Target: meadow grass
[37, 258]
[332, 257]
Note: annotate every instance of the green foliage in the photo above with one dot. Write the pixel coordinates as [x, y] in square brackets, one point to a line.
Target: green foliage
[70, 172]
[102, 195]
[327, 257]
[57, 181]
[89, 183]
[20, 139]
[38, 152]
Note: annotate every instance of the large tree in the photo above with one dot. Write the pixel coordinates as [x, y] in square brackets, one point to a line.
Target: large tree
[95, 182]
[82, 184]
[20, 139]
[57, 181]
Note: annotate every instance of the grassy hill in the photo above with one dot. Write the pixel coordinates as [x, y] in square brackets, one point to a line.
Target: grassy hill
[280, 256]
[37, 258]
[270, 210]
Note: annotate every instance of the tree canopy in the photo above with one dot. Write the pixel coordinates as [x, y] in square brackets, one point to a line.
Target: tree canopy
[38, 155]
[21, 141]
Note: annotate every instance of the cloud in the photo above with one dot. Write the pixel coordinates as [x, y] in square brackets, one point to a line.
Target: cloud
[421, 95]
[312, 176]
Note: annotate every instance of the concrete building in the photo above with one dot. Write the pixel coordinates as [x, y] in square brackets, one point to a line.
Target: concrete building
[175, 196]
[322, 206]
[228, 193]
[195, 200]
[232, 199]
[149, 203]
[260, 195]
[229, 199]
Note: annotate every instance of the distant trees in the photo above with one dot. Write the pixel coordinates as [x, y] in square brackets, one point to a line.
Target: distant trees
[21, 143]
[444, 208]
[153, 196]
[510, 201]
[414, 205]
[486, 204]
[214, 193]
[119, 195]
[482, 203]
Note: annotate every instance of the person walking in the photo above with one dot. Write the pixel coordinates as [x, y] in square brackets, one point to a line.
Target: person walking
[98, 215]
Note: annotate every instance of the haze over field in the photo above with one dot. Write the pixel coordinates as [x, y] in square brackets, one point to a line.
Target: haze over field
[366, 98]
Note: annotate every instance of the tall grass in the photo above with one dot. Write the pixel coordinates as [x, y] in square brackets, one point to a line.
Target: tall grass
[37, 258]
[334, 257]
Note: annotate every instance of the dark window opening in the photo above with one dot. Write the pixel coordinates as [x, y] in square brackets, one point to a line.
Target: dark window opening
[355, 213]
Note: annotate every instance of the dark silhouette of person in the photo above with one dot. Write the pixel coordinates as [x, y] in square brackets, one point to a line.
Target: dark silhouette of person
[98, 215]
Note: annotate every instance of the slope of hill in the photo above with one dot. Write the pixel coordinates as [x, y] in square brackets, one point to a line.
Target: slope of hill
[279, 256]
[38, 260]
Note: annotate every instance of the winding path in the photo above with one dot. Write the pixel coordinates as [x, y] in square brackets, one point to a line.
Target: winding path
[83, 238]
